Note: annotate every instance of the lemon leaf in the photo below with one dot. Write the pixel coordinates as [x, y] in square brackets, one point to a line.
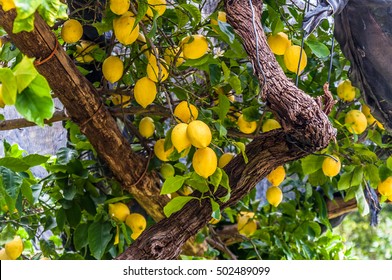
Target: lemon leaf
[216, 214]
[216, 178]
[80, 237]
[194, 13]
[311, 164]
[319, 49]
[172, 184]
[99, 236]
[24, 73]
[9, 86]
[224, 106]
[362, 204]
[176, 204]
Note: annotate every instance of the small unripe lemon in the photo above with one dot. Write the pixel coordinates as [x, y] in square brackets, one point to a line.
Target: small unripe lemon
[157, 73]
[180, 138]
[331, 167]
[194, 47]
[146, 127]
[159, 150]
[167, 170]
[118, 211]
[385, 187]
[14, 248]
[119, 7]
[137, 223]
[199, 134]
[356, 121]
[246, 225]
[72, 31]
[225, 159]
[276, 176]
[145, 91]
[158, 5]
[124, 29]
[112, 68]
[245, 126]
[269, 125]
[204, 162]
[274, 195]
[279, 43]
[84, 51]
[186, 112]
[291, 59]
[346, 91]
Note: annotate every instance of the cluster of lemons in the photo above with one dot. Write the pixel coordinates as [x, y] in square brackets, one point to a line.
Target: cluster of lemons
[120, 213]
[274, 194]
[12, 249]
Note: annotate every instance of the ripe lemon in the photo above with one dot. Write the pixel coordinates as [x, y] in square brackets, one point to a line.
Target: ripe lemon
[346, 91]
[369, 117]
[14, 248]
[145, 91]
[4, 256]
[167, 170]
[84, 51]
[159, 150]
[186, 112]
[124, 29]
[331, 167]
[199, 134]
[245, 126]
[279, 43]
[246, 225]
[225, 159]
[118, 211]
[291, 59]
[2, 104]
[356, 121]
[390, 198]
[221, 17]
[118, 99]
[112, 68]
[180, 138]
[277, 176]
[274, 195]
[205, 162]
[171, 55]
[146, 127]
[158, 5]
[270, 124]
[385, 187]
[194, 46]
[7, 5]
[137, 223]
[153, 69]
[119, 7]
[72, 31]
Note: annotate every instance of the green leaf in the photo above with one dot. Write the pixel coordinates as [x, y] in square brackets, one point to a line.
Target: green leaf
[226, 71]
[216, 178]
[194, 12]
[319, 49]
[311, 164]
[235, 83]
[23, 24]
[344, 181]
[242, 148]
[36, 192]
[99, 236]
[65, 155]
[172, 184]
[51, 10]
[357, 176]
[27, 192]
[216, 214]
[362, 204]
[142, 7]
[25, 73]
[9, 86]
[389, 162]
[60, 218]
[35, 159]
[15, 164]
[176, 204]
[224, 106]
[197, 182]
[215, 74]
[74, 215]
[182, 17]
[80, 238]
[35, 103]
[251, 113]
[12, 183]
[226, 31]
[71, 256]
[384, 172]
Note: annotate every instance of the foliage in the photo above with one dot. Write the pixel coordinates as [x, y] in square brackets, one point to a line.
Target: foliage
[65, 214]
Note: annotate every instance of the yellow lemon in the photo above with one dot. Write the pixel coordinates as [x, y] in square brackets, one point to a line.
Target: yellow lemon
[14, 248]
[346, 91]
[274, 195]
[279, 43]
[125, 30]
[84, 51]
[205, 162]
[277, 176]
[156, 72]
[173, 54]
[225, 159]
[118, 211]
[2, 104]
[72, 31]
[112, 68]
[245, 126]
[4, 256]
[180, 138]
[270, 124]
[221, 17]
[356, 121]
[7, 5]
[118, 99]
[194, 47]
[119, 7]
[291, 59]
[145, 91]
[199, 134]
[167, 170]
[390, 198]
[331, 167]
[137, 223]
[159, 150]
[385, 187]
[185, 112]
[246, 225]
[146, 127]
[158, 5]
[369, 117]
